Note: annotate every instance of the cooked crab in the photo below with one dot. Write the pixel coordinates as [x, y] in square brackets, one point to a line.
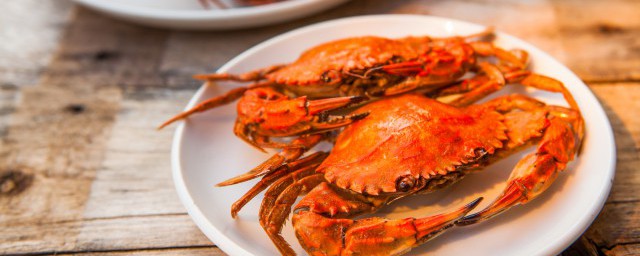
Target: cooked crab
[412, 144]
[397, 144]
[296, 99]
[301, 99]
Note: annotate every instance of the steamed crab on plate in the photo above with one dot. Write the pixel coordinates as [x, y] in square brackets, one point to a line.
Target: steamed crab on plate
[376, 100]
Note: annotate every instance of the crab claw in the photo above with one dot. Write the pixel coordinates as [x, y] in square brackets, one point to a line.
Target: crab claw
[268, 113]
[430, 227]
[531, 177]
[318, 106]
[537, 171]
[320, 235]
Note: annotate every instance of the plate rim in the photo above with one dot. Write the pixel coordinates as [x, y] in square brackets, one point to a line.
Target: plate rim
[272, 13]
[231, 247]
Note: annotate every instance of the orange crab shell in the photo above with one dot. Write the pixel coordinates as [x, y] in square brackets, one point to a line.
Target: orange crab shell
[345, 55]
[412, 136]
[275, 112]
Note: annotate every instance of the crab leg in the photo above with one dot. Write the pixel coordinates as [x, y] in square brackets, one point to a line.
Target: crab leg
[227, 98]
[323, 226]
[549, 84]
[334, 122]
[311, 160]
[537, 171]
[513, 58]
[477, 81]
[449, 60]
[290, 153]
[494, 83]
[414, 83]
[278, 200]
[255, 75]
[214, 102]
[488, 31]
[497, 80]
[429, 75]
[321, 105]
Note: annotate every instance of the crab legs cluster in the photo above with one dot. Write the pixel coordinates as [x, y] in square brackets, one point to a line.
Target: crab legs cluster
[401, 141]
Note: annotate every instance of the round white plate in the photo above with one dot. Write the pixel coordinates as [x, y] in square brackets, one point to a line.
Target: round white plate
[189, 14]
[206, 152]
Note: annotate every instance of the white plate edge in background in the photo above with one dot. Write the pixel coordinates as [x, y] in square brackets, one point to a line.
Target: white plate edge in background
[233, 18]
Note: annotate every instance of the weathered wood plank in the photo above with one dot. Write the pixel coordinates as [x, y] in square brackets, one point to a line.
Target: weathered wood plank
[621, 101]
[615, 231]
[135, 178]
[56, 138]
[582, 246]
[623, 250]
[99, 51]
[29, 32]
[103, 234]
[617, 224]
[24, 55]
[600, 38]
[195, 251]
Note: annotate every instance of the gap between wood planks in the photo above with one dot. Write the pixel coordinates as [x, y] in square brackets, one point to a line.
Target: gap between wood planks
[599, 82]
[125, 251]
[110, 218]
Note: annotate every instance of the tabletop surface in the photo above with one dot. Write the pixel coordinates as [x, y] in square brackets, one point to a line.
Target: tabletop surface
[83, 170]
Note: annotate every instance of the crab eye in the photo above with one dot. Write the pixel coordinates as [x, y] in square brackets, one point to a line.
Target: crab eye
[396, 59]
[330, 76]
[405, 183]
[480, 153]
[325, 77]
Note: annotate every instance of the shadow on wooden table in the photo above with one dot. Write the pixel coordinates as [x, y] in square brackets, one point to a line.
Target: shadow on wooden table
[607, 230]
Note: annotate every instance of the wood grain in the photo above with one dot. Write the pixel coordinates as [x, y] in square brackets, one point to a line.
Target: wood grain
[195, 251]
[616, 230]
[83, 171]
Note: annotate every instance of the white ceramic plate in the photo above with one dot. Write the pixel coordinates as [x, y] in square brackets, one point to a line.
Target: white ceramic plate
[205, 152]
[189, 14]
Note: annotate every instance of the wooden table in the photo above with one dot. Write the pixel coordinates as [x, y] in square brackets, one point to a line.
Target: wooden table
[83, 171]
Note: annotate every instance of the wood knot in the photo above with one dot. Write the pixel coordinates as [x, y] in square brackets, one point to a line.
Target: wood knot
[605, 28]
[104, 55]
[8, 86]
[13, 182]
[75, 108]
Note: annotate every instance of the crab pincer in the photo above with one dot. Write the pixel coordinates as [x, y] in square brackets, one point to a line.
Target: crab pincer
[537, 171]
[321, 234]
[267, 113]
